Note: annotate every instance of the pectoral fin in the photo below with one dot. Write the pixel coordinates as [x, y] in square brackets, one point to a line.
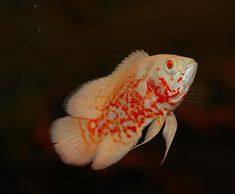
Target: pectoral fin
[169, 132]
[153, 130]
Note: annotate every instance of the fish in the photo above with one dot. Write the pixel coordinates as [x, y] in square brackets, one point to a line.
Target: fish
[106, 116]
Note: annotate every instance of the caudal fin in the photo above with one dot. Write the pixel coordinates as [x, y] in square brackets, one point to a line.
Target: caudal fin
[71, 141]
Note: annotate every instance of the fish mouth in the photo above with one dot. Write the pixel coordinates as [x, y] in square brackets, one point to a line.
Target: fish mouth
[187, 80]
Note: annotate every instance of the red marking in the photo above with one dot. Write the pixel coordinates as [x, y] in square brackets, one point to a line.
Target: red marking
[141, 122]
[132, 128]
[114, 130]
[163, 82]
[89, 125]
[149, 89]
[164, 97]
[128, 135]
[169, 64]
[125, 109]
[129, 106]
[180, 79]
[83, 132]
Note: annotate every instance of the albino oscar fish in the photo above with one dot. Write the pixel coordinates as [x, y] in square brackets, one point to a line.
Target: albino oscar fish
[107, 115]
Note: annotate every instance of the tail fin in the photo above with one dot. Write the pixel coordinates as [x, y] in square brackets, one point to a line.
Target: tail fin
[71, 141]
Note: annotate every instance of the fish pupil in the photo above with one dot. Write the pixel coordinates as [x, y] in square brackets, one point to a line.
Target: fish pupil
[169, 64]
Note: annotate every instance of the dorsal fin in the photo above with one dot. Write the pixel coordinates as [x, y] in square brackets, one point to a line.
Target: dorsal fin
[130, 61]
[92, 97]
[89, 100]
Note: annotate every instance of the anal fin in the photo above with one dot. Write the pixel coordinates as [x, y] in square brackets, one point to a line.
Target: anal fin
[111, 151]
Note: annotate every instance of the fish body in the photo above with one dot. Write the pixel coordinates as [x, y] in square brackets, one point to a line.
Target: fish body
[107, 115]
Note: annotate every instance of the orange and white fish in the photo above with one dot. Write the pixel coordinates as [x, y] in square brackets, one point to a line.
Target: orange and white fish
[107, 115]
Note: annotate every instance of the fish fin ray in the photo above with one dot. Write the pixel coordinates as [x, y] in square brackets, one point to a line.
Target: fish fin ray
[169, 132]
[125, 68]
[90, 99]
[69, 141]
[131, 60]
[153, 129]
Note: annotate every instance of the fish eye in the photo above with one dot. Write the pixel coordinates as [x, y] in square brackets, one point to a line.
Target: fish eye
[169, 67]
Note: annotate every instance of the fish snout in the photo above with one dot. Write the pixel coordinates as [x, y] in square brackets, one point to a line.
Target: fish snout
[187, 80]
[190, 72]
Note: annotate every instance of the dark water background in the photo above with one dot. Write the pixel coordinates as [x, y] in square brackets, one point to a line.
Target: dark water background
[49, 47]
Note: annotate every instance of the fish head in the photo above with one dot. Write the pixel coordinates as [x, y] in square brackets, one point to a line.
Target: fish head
[172, 77]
